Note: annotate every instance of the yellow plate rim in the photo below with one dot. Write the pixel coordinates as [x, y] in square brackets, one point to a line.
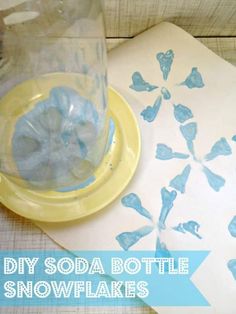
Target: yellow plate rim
[63, 207]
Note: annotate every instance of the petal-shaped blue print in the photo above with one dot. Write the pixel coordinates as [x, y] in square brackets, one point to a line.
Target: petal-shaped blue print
[189, 132]
[182, 113]
[214, 180]
[234, 138]
[179, 182]
[133, 201]
[190, 226]
[165, 60]
[164, 152]
[149, 114]
[194, 79]
[167, 204]
[162, 252]
[140, 85]
[165, 93]
[128, 239]
[220, 148]
[232, 267]
[232, 227]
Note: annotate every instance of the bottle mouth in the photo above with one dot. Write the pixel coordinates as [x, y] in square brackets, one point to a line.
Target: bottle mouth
[20, 17]
[49, 18]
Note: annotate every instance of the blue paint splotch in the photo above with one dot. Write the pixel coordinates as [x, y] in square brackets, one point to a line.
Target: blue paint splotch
[164, 152]
[140, 85]
[182, 113]
[179, 182]
[165, 93]
[232, 227]
[149, 114]
[215, 181]
[133, 201]
[190, 226]
[232, 267]
[165, 60]
[167, 204]
[189, 132]
[220, 148]
[234, 138]
[194, 79]
[128, 239]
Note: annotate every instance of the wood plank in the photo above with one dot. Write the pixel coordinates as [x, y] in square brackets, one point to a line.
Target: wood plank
[224, 47]
[126, 18]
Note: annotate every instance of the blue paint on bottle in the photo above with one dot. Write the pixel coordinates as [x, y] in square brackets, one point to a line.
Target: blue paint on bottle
[128, 239]
[80, 186]
[133, 201]
[149, 114]
[164, 152]
[140, 85]
[189, 132]
[179, 182]
[232, 227]
[220, 148]
[167, 204]
[182, 113]
[55, 137]
[112, 129]
[83, 149]
[215, 181]
[232, 267]
[165, 60]
[190, 226]
[165, 93]
[194, 79]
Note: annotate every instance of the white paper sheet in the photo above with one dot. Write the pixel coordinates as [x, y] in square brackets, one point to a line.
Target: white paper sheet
[213, 107]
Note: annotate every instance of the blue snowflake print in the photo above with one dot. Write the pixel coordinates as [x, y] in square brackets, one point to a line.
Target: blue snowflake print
[133, 201]
[189, 132]
[129, 238]
[166, 60]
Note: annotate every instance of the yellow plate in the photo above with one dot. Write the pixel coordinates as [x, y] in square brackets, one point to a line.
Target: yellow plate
[113, 175]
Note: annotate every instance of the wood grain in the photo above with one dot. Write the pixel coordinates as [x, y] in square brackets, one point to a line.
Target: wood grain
[126, 18]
